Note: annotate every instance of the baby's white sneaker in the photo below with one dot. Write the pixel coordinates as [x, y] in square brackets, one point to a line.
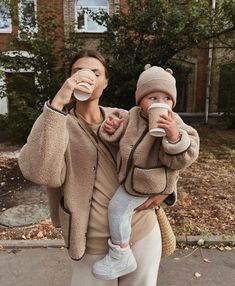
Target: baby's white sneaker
[118, 262]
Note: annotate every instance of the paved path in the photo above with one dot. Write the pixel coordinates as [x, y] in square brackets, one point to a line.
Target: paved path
[42, 266]
[27, 206]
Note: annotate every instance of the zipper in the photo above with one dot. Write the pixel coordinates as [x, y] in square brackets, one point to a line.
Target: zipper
[129, 162]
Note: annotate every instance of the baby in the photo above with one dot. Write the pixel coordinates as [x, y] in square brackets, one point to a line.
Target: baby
[147, 165]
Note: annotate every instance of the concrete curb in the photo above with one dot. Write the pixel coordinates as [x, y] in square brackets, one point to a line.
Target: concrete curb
[208, 240]
[58, 243]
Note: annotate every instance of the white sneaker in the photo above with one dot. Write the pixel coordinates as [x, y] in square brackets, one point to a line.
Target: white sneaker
[118, 262]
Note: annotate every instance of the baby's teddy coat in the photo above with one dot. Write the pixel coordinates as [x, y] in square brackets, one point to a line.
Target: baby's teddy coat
[150, 165]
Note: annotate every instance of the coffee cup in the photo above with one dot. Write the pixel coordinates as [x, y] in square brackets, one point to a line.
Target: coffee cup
[154, 111]
[81, 95]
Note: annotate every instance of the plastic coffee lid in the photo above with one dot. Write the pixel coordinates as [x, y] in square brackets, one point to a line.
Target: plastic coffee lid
[82, 96]
[86, 86]
[157, 132]
[159, 105]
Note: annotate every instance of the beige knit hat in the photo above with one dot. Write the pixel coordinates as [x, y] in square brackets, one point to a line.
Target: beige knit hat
[155, 79]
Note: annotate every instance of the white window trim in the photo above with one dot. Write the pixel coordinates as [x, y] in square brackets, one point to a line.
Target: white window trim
[35, 29]
[7, 30]
[85, 28]
[4, 101]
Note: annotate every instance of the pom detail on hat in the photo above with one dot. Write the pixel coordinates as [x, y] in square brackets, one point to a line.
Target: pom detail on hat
[147, 66]
[169, 70]
[155, 79]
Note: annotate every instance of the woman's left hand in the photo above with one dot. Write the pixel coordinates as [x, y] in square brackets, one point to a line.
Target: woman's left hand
[152, 202]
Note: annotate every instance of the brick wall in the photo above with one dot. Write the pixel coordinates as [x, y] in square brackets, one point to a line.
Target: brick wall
[66, 14]
[41, 4]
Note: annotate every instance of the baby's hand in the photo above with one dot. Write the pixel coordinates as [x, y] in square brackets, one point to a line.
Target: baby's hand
[168, 123]
[112, 123]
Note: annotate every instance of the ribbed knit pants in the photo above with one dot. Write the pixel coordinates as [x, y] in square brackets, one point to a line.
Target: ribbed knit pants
[147, 252]
[120, 211]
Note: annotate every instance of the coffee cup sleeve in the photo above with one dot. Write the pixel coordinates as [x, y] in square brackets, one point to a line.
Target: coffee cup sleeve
[179, 147]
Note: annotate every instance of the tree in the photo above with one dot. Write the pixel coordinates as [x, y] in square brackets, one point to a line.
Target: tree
[45, 55]
[154, 32]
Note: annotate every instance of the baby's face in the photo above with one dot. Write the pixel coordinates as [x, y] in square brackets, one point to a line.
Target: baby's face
[155, 97]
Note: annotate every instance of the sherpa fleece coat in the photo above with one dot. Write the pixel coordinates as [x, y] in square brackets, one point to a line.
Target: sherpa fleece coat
[150, 165]
[59, 155]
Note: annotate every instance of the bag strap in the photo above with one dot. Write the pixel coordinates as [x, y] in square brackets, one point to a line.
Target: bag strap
[100, 147]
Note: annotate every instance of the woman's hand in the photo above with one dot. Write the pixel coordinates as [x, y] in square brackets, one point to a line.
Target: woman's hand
[112, 123]
[168, 123]
[64, 95]
[152, 202]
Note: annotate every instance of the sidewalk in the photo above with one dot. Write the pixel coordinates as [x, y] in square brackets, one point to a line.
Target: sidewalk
[51, 266]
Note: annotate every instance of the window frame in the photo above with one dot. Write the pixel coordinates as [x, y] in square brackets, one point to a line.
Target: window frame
[8, 28]
[32, 30]
[4, 104]
[100, 29]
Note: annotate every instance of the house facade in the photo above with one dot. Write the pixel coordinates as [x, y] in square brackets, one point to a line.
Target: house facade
[195, 91]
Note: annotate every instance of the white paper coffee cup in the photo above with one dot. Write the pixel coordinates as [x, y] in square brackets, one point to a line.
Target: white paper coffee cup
[81, 95]
[154, 111]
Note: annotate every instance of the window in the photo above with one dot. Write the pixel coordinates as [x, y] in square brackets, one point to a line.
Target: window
[20, 83]
[27, 16]
[227, 89]
[8, 72]
[84, 21]
[5, 19]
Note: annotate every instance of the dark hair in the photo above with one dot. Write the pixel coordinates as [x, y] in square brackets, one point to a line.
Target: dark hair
[89, 54]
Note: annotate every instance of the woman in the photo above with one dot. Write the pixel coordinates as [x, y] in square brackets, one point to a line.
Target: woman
[62, 155]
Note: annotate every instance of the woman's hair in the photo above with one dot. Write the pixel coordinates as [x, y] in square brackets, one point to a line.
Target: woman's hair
[89, 54]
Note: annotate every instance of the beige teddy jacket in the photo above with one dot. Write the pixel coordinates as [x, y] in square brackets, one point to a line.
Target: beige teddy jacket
[59, 155]
[150, 165]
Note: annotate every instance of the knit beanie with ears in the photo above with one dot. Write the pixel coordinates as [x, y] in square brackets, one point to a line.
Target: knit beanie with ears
[155, 79]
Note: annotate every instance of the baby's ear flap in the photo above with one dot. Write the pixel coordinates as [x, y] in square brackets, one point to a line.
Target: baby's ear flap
[146, 67]
[169, 70]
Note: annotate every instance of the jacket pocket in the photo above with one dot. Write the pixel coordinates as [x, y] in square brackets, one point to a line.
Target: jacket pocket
[65, 222]
[149, 181]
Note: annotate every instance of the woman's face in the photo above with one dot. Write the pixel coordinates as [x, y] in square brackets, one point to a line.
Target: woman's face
[97, 67]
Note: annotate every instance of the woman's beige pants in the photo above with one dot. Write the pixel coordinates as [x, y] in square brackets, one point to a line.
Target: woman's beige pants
[147, 252]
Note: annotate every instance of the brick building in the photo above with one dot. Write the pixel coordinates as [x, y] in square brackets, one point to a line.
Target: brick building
[192, 88]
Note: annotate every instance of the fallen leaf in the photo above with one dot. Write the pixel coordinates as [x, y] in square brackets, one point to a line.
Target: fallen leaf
[228, 248]
[201, 242]
[40, 234]
[207, 260]
[23, 236]
[197, 275]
